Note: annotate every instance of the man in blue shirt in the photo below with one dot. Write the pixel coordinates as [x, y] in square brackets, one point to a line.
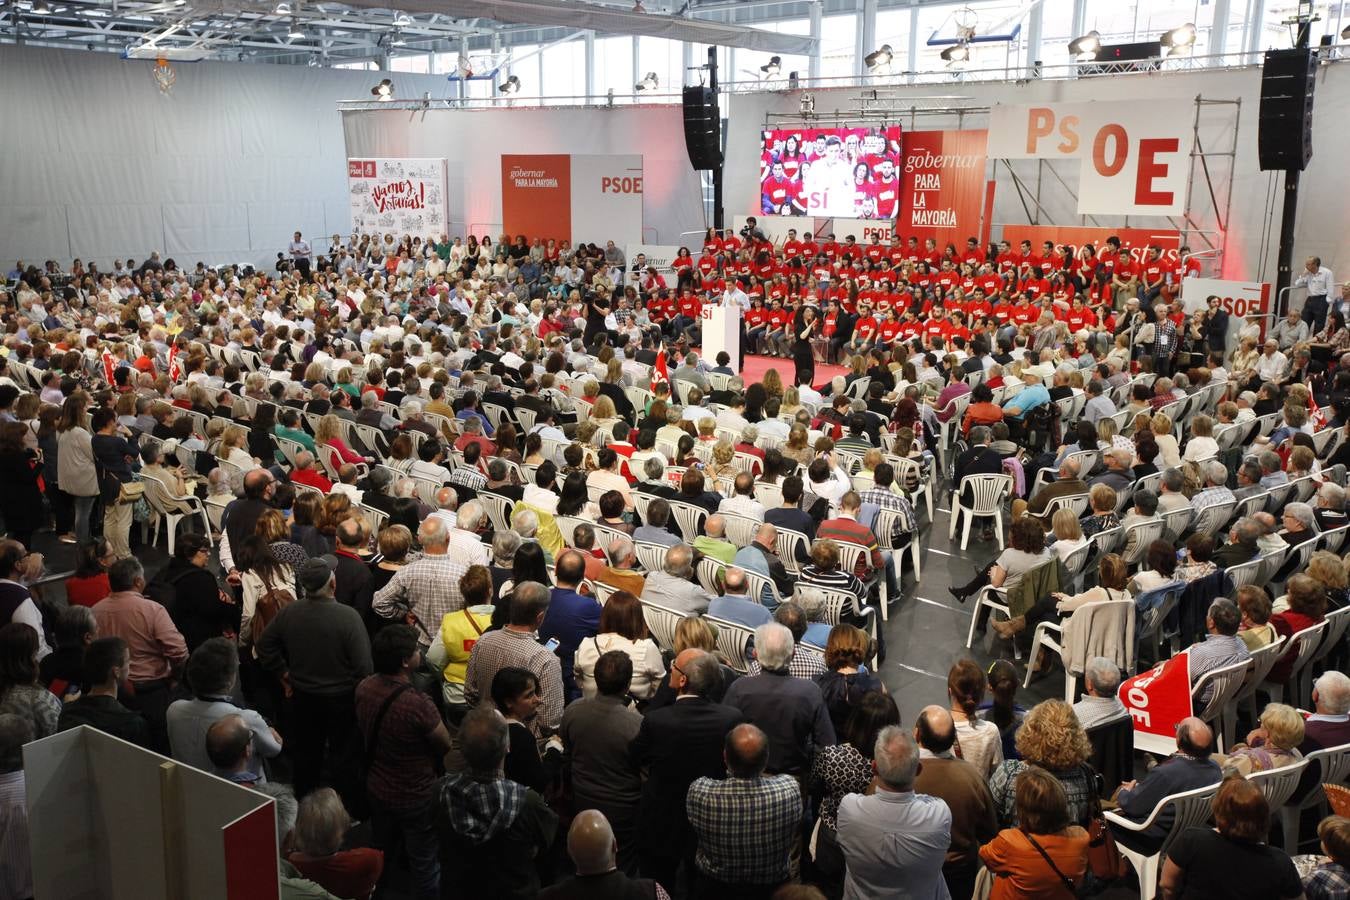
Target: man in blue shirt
[1030, 397]
[735, 605]
[571, 617]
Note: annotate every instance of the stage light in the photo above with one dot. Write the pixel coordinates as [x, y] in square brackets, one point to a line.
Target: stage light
[879, 58]
[1179, 40]
[808, 105]
[772, 67]
[649, 82]
[282, 9]
[1085, 48]
[956, 53]
[402, 20]
[510, 86]
[295, 33]
[384, 90]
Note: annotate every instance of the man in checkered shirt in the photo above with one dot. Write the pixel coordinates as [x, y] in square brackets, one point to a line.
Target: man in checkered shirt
[517, 646]
[884, 497]
[746, 824]
[426, 589]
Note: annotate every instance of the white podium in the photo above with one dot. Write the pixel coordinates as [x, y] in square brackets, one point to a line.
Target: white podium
[722, 331]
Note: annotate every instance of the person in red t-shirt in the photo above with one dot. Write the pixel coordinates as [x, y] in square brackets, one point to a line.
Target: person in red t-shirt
[864, 330]
[1050, 260]
[707, 263]
[776, 190]
[888, 330]
[792, 248]
[777, 332]
[1125, 277]
[756, 321]
[886, 190]
[1153, 274]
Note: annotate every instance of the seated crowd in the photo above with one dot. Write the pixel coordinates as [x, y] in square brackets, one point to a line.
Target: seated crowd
[483, 570]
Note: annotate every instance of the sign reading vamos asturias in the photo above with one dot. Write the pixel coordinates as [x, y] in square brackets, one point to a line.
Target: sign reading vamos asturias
[397, 196]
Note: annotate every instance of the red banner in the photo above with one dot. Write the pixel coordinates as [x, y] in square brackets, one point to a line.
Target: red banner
[1157, 700]
[537, 195]
[942, 185]
[1134, 241]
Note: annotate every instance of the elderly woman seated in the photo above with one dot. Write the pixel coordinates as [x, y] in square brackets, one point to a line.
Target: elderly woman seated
[1272, 745]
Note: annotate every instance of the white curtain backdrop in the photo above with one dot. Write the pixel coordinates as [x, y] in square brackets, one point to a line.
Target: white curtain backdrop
[98, 164]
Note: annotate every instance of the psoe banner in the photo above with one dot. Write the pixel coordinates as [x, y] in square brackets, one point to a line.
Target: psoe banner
[942, 185]
[1134, 154]
[397, 196]
[573, 198]
[1157, 700]
[861, 229]
[1134, 241]
[1239, 298]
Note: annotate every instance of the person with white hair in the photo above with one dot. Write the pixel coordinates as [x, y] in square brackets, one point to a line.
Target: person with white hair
[1330, 509]
[1215, 490]
[791, 711]
[466, 544]
[1099, 704]
[672, 588]
[427, 588]
[895, 835]
[1329, 725]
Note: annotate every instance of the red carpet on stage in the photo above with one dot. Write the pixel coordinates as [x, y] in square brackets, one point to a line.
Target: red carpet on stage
[756, 366]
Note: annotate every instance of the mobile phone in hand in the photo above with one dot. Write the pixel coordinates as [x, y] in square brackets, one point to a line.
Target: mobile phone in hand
[551, 645]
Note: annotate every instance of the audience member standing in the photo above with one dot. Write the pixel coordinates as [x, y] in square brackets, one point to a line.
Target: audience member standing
[319, 650]
[403, 739]
[158, 651]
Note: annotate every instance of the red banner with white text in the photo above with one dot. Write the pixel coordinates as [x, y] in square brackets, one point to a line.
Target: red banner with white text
[1134, 241]
[1157, 700]
[942, 185]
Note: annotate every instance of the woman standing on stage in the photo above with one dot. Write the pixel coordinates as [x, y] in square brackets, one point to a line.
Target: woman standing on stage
[804, 330]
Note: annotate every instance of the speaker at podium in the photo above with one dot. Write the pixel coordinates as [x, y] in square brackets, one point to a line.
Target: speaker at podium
[722, 332]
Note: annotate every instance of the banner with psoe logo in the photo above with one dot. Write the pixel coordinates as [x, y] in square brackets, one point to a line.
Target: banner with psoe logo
[1156, 701]
[1134, 241]
[942, 185]
[398, 196]
[1135, 154]
[573, 198]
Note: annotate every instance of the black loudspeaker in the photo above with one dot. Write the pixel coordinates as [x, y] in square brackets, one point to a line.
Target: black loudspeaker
[1284, 127]
[702, 127]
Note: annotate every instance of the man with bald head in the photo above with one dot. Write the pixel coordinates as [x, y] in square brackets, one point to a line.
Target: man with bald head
[1187, 769]
[307, 473]
[713, 542]
[762, 558]
[746, 823]
[677, 744]
[594, 851]
[957, 783]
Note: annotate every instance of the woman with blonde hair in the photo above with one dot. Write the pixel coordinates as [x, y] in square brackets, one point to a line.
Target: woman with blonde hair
[797, 448]
[232, 450]
[1068, 533]
[696, 633]
[1326, 569]
[328, 434]
[791, 402]
[1202, 444]
[1051, 738]
[773, 385]
[1101, 510]
[722, 465]
[1273, 744]
[1169, 452]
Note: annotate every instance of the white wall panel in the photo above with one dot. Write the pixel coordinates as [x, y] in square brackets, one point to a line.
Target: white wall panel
[223, 168]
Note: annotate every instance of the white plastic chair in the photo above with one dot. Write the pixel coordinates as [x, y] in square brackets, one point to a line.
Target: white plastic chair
[173, 509]
[995, 600]
[1305, 643]
[1084, 617]
[1333, 767]
[850, 556]
[1279, 784]
[1190, 808]
[1262, 660]
[1210, 519]
[661, 622]
[733, 642]
[785, 547]
[740, 530]
[987, 495]
[884, 527]
[690, 519]
[1223, 685]
[651, 557]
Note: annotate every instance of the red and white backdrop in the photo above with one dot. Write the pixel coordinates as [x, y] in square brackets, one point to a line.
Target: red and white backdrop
[573, 197]
[1134, 241]
[1133, 155]
[397, 196]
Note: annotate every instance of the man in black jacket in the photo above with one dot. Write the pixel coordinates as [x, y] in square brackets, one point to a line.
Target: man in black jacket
[677, 744]
[355, 581]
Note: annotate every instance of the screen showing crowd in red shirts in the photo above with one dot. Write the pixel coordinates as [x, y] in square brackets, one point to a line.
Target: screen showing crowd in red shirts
[847, 173]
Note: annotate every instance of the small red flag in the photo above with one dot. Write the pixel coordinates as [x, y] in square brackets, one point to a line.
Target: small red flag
[660, 374]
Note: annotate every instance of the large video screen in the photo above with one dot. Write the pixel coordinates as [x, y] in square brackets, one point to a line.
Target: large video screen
[847, 173]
